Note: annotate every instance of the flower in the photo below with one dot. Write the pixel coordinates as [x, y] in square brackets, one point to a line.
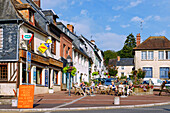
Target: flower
[74, 70]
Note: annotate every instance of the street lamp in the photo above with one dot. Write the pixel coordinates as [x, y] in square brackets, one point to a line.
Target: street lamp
[69, 70]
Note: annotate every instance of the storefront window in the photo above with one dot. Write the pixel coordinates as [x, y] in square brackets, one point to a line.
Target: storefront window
[38, 77]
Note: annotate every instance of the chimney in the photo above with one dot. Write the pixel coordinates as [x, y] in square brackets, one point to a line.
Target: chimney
[92, 41]
[38, 2]
[70, 27]
[138, 39]
[118, 58]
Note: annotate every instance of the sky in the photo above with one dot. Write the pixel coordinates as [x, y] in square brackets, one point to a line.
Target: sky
[109, 22]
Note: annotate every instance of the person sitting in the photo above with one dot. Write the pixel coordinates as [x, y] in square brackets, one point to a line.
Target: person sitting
[113, 87]
[92, 87]
[162, 87]
[83, 87]
[130, 89]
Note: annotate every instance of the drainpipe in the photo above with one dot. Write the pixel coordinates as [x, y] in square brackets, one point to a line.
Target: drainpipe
[18, 66]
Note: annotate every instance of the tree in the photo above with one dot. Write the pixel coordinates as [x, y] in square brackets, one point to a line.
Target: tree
[109, 54]
[113, 72]
[127, 50]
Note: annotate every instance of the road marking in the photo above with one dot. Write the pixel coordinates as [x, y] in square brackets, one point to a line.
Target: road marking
[54, 99]
[66, 104]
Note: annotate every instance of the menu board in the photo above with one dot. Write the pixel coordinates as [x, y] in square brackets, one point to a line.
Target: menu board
[26, 96]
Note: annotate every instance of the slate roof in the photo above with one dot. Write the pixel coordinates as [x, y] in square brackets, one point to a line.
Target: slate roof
[125, 62]
[154, 43]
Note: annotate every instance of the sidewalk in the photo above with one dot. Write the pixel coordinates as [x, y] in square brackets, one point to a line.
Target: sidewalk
[62, 100]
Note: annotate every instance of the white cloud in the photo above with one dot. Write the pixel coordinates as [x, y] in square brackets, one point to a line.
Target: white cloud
[117, 8]
[133, 4]
[148, 18]
[110, 41]
[108, 28]
[136, 19]
[157, 18]
[125, 26]
[83, 12]
[115, 17]
[162, 33]
[73, 2]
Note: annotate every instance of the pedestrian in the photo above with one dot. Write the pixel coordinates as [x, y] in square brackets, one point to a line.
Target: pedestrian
[92, 86]
[162, 87]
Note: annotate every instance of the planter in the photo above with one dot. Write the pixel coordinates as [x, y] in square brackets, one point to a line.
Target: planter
[51, 90]
[140, 91]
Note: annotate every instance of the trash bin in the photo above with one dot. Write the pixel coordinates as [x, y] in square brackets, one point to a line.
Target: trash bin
[116, 100]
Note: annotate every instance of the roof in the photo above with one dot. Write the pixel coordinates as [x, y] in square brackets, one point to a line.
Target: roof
[125, 62]
[122, 62]
[50, 12]
[154, 43]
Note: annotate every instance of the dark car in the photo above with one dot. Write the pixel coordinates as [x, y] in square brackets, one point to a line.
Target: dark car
[108, 81]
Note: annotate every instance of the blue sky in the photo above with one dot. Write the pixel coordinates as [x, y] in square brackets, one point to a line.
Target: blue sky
[108, 22]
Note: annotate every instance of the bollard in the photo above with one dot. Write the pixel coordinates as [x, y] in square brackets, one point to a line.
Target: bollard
[14, 102]
[116, 100]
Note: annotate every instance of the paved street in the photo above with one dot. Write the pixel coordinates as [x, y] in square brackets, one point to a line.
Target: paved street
[155, 109]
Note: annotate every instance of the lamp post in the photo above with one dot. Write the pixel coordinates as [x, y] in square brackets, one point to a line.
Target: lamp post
[69, 63]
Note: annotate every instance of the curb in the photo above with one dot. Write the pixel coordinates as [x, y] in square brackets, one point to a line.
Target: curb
[84, 108]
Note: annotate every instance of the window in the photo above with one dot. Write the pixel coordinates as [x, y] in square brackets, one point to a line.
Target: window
[164, 72]
[122, 74]
[53, 46]
[64, 50]
[161, 55]
[150, 55]
[3, 73]
[148, 71]
[168, 55]
[68, 51]
[32, 42]
[144, 54]
[55, 78]
[1, 38]
[64, 29]
[122, 67]
[75, 56]
[31, 17]
[39, 75]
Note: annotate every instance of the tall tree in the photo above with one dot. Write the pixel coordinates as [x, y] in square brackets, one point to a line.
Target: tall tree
[127, 50]
[109, 54]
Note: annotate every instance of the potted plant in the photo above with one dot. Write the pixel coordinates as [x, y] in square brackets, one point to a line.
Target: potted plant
[51, 90]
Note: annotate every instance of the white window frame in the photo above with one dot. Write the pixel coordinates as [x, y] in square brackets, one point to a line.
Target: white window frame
[161, 55]
[150, 55]
[144, 56]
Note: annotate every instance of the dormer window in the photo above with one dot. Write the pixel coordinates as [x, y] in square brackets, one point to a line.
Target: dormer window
[31, 18]
[64, 29]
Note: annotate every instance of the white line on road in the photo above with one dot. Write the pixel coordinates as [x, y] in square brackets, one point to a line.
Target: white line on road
[69, 102]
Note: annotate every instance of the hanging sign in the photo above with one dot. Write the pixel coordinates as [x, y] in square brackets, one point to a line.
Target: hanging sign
[46, 77]
[42, 48]
[27, 36]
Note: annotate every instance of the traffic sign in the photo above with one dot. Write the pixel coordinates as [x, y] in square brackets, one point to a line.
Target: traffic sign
[42, 48]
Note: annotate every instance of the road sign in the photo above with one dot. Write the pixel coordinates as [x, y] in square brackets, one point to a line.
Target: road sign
[42, 48]
[27, 36]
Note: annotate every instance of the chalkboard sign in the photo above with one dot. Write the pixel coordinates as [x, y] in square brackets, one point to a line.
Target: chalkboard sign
[26, 96]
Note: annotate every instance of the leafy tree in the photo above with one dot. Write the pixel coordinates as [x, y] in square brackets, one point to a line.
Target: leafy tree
[109, 54]
[127, 50]
[113, 72]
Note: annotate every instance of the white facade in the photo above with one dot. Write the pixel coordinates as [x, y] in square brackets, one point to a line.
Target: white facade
[155, 64]
[124, 70]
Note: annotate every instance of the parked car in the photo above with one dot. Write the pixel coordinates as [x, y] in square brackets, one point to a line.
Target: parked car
[108, 81]
[155, 81]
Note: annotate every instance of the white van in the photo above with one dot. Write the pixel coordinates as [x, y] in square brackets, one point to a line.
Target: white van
[155, 81]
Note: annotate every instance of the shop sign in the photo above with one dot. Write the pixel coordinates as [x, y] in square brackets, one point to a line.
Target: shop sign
[28, 62]
[26, 96]
[27, 36]
[34, 75]
[46, 77]
[42, 48]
